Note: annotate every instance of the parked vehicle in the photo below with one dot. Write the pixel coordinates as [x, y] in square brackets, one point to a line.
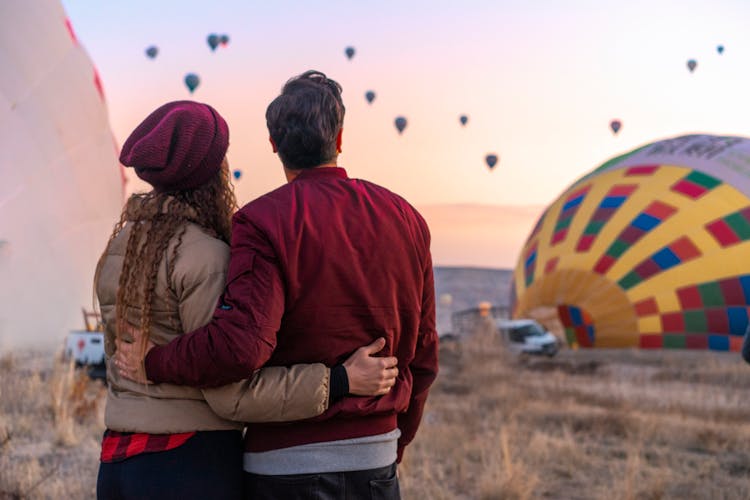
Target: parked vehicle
[526, 336]
[86, 347]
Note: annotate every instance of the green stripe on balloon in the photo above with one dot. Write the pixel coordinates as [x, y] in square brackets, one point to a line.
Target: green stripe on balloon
[674, 341]
[702, 179]
[695, 321]
[629, 280]
[711, 294]
[739, 225]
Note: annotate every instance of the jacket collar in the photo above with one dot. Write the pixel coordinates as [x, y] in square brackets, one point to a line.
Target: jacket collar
[321, 173]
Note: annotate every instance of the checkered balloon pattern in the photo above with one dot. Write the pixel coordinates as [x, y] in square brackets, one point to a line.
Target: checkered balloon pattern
[650, 250]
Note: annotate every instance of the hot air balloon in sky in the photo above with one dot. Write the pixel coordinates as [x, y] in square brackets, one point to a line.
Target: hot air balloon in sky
[615, 125]
[237, 174]
[152, 51]
[463, 119]
[400, 123]
[224, 39]
[213, 41]
[720, 49]
[370, 96]
[192, 81]
[691, 64]
[649, 250]
[349, 51]
[491, 160]
[62, 185]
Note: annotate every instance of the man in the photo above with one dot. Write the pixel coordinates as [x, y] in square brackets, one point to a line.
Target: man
[319, 267]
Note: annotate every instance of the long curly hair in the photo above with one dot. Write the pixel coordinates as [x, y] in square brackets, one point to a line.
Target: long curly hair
[155, 219]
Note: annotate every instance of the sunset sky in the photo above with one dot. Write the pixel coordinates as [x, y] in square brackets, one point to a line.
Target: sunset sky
[540, 82]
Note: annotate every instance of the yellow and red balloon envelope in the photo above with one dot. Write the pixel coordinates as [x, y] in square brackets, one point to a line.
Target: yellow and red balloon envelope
[650, 250]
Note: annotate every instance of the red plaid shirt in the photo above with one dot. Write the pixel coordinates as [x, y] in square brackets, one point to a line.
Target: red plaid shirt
[117, 446]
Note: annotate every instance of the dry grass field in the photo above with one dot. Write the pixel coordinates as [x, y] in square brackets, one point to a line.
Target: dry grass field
[586, 424]
[611, 424]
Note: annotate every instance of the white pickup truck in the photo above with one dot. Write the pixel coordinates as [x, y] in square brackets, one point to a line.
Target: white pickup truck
[86, 347]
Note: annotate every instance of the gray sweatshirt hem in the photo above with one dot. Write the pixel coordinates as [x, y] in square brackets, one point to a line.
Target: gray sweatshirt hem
[369, 452]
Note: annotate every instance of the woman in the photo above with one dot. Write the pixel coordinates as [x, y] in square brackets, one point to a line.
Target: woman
[162, 272]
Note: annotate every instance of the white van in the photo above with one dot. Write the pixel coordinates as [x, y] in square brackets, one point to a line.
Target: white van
[526, 336]
[86, 347]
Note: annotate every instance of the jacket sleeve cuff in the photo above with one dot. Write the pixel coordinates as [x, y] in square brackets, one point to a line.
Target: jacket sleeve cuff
[152, 365]
[339, 384]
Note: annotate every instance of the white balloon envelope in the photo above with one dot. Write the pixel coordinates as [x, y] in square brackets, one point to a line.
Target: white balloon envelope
[61, 185]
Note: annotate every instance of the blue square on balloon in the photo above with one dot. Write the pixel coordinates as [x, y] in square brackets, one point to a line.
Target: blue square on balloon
[572, 203]
[612, 201]
[665, 258]
[646, 222]
[737, 320]
[745, 282]
[590, 333]
[530, 260]
[575, 316]
[718, 342]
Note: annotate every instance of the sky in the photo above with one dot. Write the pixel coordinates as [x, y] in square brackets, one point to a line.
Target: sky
[540, 81]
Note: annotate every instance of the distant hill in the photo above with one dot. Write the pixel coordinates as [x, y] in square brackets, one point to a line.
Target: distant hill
[467, 287]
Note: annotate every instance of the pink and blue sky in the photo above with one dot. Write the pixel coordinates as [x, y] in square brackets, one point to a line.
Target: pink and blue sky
[540, 82]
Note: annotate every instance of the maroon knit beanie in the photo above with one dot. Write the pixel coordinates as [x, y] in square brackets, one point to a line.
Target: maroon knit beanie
[178, 147]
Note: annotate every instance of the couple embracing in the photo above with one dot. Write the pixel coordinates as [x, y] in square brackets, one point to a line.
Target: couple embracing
[283, 350]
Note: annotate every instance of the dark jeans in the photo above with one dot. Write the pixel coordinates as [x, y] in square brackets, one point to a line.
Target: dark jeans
[375, 484]
[208, 465]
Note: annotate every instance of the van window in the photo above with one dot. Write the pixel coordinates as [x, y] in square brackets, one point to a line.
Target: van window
[520, 333]
[517, 334]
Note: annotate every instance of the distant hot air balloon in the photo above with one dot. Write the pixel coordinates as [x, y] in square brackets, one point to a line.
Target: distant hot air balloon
[370, 96]
[691, 64]
[349, 51]
[192, 81]
[491, 160]
[400, 124]
[224, 40]
[237, 174]
[213, 41]
[615, 125]
[152, 51]
[463, 119]
[720, 49]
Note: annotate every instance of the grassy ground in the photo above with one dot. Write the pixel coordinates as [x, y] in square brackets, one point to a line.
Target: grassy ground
[615, 424]
[51, 421]
[587, 424]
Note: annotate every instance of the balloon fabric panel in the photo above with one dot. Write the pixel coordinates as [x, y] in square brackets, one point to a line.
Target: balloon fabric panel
[651, 247]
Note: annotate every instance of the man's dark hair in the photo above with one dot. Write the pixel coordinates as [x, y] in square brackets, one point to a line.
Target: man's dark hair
[305, 120]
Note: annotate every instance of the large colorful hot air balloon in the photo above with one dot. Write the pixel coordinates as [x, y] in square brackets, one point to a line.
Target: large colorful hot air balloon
[400, 123]
[192, 81]
[62, 186]
[650, 249]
